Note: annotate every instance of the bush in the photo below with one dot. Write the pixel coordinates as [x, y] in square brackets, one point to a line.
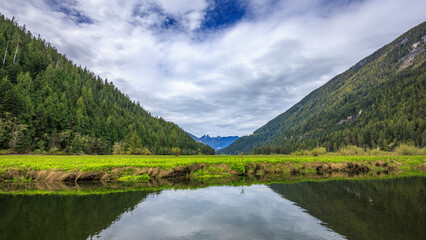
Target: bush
[5, 151]
[116, 149]
[376, 152]
[139, 151]
[301, 153]
[319, 151]
[351, 150]
[39, 151]
[53, 150]
[405, 149]
[176, 151]
[238, 167]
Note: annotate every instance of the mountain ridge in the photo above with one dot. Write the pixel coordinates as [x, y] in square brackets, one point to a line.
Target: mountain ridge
[363, 99]
[217, 143]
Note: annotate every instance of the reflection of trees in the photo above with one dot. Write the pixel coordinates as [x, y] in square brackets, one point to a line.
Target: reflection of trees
[62, 217]
[376, 209]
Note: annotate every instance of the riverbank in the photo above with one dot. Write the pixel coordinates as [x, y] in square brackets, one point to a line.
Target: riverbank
[102, 187]
[132, 168]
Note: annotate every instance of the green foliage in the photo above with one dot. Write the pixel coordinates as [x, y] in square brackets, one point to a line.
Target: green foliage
[319, 151]
[117, 148]
[351, 150]
[49, 104]
[378, 103]
[375, 152]
[301, 153]
[239, 167]
[176, 151]
[138, 178]
[405, 149]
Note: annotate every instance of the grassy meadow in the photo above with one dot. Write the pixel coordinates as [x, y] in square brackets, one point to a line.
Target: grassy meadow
[108, 162]
[99, 174]
[143, 167]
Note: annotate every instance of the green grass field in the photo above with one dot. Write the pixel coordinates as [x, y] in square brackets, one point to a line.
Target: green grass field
[137, 168]
[202, 171]
[108, 162]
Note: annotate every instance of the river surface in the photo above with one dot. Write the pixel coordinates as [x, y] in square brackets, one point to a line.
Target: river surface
[342, 209]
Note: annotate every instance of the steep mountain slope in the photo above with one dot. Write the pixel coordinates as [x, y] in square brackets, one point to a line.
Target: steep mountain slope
[378, 103]
[217, 143]
[47, 103]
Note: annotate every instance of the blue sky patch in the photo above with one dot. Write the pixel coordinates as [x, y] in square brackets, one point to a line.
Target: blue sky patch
[223, 13]
[68, 8]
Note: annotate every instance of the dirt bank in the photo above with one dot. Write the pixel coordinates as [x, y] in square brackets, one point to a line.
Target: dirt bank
[204, 171]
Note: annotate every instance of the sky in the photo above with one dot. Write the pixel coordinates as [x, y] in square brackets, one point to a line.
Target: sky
[213, 66]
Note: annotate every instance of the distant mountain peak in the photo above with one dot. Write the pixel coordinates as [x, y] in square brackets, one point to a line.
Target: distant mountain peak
[217, 143]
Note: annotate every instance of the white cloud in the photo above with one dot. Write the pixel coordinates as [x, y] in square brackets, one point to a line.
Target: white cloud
[235, 79]
[179, 7]
[222, 212]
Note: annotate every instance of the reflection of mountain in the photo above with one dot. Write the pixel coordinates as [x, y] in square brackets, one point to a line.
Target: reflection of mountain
[62, 217]
[376, 209]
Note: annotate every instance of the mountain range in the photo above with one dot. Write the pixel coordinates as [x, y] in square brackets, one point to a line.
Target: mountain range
[217, 143]
[378, 103]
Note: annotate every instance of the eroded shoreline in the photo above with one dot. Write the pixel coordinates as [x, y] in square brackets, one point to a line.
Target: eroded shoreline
[205, 170]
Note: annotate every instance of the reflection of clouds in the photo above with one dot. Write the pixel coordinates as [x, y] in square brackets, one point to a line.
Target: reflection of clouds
[226, 80]
[218, 213]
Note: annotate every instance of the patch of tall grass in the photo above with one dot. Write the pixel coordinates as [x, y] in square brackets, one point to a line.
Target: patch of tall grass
[405, 149]
[351, 150]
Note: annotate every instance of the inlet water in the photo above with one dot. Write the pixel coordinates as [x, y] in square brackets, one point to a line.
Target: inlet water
[344, 209]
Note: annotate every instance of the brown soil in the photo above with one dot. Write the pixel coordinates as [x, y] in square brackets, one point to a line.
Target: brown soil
[350, 167]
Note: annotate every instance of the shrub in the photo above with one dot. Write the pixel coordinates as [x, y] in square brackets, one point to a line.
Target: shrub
[238, 167]
[53, 150]
[351, 150]
[376, 152]
[39, 151]
[319, 151]
[302, 152]
[5, 151]
[116, 149]
[176, 151]
[405, 149]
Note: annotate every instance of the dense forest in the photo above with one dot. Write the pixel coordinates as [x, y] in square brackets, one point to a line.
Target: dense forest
[48, 104]
[378, 103]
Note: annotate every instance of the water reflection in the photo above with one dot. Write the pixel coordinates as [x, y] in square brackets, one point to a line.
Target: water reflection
[62, 217]
[370, 209]
[373, 209]
[218, 213]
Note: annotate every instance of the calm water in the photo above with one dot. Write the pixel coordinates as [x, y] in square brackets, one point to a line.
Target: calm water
[373, 209]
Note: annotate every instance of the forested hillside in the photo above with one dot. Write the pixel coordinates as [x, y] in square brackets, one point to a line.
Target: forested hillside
[378, 103]
[49, 104]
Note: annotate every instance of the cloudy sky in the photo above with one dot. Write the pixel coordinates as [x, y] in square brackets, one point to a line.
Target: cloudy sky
[214, 66]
